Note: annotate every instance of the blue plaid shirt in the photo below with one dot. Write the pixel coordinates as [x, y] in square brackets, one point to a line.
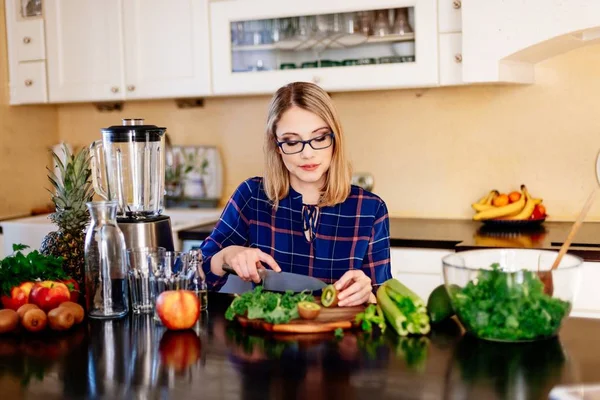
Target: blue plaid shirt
[350, 235]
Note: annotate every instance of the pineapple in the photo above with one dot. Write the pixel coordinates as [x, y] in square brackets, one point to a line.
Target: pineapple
[72, 189]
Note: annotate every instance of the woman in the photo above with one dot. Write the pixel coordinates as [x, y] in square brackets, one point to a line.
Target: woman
[303, 216]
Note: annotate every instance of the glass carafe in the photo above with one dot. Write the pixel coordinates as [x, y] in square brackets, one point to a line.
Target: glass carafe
[128, 166]
[105, 263]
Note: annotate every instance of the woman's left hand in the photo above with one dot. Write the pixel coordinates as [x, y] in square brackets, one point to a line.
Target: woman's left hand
[354, 288]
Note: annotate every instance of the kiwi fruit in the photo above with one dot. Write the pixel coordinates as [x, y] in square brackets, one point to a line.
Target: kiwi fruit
[76, 309]
[308, 310]
[329, 296]
[34, 320]
[61, 319]
[24, 308]
[9, 320]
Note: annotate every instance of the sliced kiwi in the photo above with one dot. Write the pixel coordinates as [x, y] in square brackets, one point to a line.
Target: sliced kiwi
[329, 296]
[308, 310]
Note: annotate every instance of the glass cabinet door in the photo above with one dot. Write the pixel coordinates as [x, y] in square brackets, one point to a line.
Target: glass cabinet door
[258, 54]
[323, 41]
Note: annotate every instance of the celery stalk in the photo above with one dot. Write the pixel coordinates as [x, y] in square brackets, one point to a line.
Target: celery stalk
[391, 312]
[410, 306]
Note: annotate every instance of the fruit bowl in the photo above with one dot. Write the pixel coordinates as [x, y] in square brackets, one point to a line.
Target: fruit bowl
[507, 223]
[515, 209]
[499, 295]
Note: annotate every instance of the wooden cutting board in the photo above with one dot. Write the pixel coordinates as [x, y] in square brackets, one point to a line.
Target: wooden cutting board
[329, 319]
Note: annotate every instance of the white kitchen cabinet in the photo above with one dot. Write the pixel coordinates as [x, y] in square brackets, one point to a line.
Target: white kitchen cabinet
[117, 50]
[419, 269]
[259, 46]
[587, 301]
[451, 59]
[85, 48]
[26, 56]
[450, 16]
[503, 40]
[166, 48]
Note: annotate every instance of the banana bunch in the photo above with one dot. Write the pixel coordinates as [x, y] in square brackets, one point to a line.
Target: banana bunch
[520, 207]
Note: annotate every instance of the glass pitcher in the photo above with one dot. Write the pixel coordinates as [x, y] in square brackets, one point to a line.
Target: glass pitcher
[107, 292]
[128, 166]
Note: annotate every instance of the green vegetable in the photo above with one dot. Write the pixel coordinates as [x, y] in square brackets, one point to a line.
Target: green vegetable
[404, 309]
[503, 306]
[339, 333]
[275, 308]
[439, 305]
[18, 267]
[372, 315]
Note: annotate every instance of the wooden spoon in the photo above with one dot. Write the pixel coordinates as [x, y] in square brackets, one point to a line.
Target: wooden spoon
[546, 276]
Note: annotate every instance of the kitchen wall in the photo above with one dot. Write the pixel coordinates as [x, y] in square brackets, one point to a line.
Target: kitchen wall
[26, 134]
[432, 151]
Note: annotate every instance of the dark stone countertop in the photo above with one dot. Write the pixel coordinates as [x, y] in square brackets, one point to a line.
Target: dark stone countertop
[462, 235]
[135, 358]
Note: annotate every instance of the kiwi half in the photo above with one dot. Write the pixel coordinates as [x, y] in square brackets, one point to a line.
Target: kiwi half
[308, 310]
[329, 296]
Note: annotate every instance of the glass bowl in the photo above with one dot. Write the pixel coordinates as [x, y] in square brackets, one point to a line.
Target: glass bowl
[510, 295]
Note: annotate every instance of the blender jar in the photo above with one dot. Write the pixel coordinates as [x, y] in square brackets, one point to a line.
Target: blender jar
[128, 166]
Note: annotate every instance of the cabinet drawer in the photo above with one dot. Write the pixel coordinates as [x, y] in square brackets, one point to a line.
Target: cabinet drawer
[29, 40]
[415, 260]
[450, 16]
[451, 59]
[421, 284]
[29, 85]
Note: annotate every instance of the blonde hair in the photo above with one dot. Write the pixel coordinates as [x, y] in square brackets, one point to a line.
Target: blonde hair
[309, 97]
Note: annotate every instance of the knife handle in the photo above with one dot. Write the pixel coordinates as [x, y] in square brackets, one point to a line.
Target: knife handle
[228, 269]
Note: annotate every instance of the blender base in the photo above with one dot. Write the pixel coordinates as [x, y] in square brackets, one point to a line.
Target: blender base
[148, 232]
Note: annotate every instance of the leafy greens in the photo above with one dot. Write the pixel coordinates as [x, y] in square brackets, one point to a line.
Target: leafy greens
[18, 267]
[275, 308]
[506, 306]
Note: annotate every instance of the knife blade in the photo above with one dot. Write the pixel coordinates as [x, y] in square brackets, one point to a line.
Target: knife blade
[282, 281]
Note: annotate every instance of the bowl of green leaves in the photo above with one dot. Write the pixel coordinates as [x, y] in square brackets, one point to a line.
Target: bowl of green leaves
[511, 295]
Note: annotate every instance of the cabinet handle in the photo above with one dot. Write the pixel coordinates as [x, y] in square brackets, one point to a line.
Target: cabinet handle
[26, 40]
[316, 79]
[114, 89]
[131, 88]
[457, 4]
[458, 58]
[28, 82]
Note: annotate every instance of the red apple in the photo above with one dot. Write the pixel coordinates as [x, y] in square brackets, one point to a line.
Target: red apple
[48, 295]
[73, 287]
[180, 350]
[178, 309]
[19, 295]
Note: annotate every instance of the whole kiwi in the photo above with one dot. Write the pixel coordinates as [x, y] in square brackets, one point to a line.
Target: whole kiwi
[61, 318]
[24, 308]
[34, 320]
[76, 309]
[9, 320]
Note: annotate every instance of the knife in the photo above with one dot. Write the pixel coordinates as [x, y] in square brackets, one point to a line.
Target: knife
[282, 281]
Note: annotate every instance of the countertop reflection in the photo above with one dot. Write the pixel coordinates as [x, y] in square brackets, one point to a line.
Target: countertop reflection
[135, 357]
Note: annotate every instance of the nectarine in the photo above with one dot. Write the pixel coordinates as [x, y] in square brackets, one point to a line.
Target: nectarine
[178, 309]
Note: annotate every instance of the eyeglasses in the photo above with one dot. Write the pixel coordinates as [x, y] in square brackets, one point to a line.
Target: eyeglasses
[297, 146]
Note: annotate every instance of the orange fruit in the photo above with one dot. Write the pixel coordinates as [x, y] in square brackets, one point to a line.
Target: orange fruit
[500, 200]
[514, 196]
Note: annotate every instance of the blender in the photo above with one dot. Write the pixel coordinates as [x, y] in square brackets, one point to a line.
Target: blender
[128, 166]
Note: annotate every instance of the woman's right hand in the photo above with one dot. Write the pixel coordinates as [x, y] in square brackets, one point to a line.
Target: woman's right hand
[246, 262]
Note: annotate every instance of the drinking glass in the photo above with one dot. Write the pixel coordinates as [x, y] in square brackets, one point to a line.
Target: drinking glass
[197, 278]
[172, 273]
[143, 264]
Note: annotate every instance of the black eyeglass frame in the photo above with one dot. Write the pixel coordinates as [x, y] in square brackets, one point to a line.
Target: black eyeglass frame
[305, 142]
